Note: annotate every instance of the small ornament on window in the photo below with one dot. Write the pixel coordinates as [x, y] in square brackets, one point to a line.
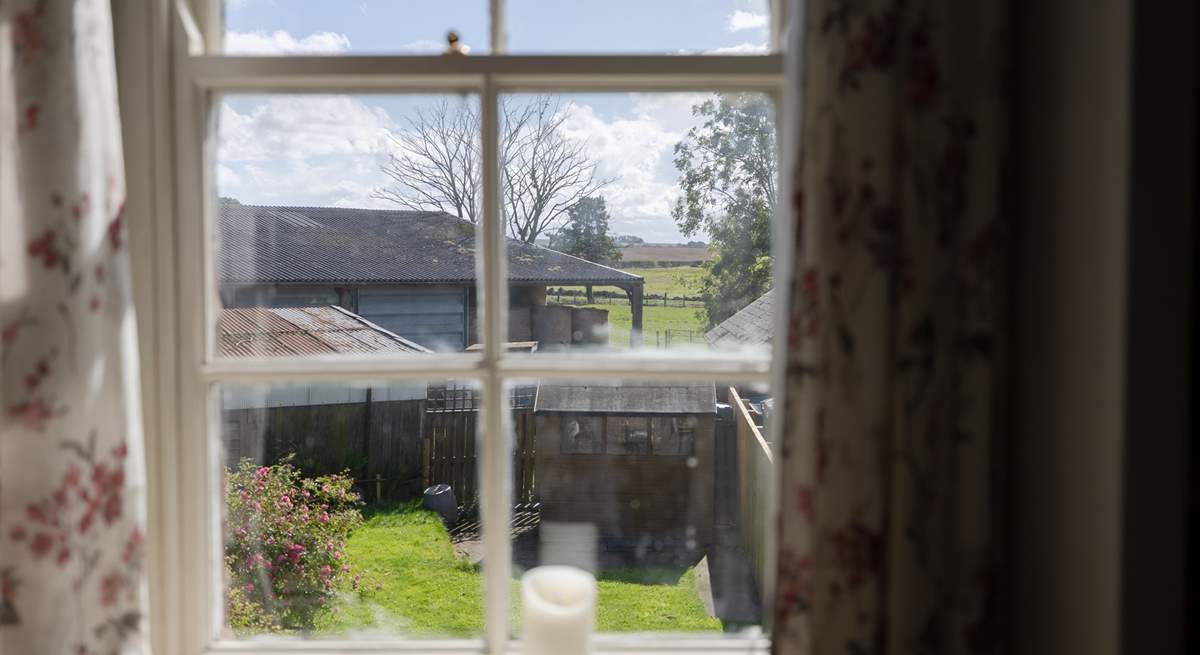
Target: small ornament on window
[454, 46]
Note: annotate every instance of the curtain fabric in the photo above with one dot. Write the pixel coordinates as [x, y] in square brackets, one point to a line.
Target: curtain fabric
[71, 471]
[890, 478]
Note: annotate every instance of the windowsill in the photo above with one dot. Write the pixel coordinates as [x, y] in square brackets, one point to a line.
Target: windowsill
[610, 643]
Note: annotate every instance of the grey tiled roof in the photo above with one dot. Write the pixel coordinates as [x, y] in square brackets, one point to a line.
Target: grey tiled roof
[277, 331]
[335, 244]
[627, 397]
[750, 326]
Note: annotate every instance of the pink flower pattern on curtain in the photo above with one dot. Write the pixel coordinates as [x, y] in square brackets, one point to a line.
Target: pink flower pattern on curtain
[71, 469]
[890, 498]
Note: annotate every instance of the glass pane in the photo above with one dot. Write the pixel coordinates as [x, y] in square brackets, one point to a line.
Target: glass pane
[631, 26]
[639, 221]
[342, 503]
[658, 489]
[327, 241]
[363, 27]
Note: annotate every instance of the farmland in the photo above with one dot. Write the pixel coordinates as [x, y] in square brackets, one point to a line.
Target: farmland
[684, 319]
[654, 320]
[675, 281]
[665, 255]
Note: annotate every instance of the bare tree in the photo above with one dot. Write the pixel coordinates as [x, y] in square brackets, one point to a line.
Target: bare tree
[436, 165]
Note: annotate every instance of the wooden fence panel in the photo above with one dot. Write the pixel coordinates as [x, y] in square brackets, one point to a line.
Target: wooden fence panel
[370, 440]
[754, 476]
[524, 487]
[394, 447]
[452, 443]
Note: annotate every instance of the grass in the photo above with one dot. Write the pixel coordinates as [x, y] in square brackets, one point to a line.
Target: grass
[639, 600]
[425, 590]
[674, 281]
[654, 319]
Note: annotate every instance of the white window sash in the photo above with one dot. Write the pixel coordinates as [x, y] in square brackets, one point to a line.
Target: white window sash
[191, 536]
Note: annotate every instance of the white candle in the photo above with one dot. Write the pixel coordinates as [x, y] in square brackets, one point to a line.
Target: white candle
[559, 610]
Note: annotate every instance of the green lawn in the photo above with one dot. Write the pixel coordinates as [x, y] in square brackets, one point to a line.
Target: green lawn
[631, 602]
[425, 590]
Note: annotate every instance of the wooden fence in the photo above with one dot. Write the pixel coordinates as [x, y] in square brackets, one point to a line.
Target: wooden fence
[393, 449]
[573, 297]
[524, 488]
[370, 440]
[451, 448]
[754, 479]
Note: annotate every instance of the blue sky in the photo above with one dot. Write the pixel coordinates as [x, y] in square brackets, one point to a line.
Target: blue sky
[327, 150]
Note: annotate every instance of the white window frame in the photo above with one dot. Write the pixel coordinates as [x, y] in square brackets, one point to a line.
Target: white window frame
[186, 584]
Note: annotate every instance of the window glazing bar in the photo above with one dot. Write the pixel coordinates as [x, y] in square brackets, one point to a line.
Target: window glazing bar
[493, 416]
[440, 73]
[652, 365]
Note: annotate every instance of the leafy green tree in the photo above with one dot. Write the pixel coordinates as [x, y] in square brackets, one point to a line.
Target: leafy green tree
[727, 176]
[585, 234]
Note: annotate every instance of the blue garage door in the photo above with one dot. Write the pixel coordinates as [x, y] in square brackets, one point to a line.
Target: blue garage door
[435, 317]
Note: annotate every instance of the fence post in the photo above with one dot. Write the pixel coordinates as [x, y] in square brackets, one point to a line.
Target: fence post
[378, 487]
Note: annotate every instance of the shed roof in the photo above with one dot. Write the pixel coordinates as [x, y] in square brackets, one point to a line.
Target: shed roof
[337, 244]
[627, 398]
[282, 331]
[751, 325]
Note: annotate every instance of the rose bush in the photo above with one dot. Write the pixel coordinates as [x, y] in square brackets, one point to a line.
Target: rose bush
[285, 539]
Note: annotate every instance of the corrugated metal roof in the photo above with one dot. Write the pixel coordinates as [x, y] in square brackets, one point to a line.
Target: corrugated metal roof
[627, 398]
[282, 331]
[335, 244]
[751, 325]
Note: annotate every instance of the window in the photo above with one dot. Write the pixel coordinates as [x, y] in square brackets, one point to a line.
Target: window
[294, 312]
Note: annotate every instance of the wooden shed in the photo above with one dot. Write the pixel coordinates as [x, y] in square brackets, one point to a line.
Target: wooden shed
[635, 459]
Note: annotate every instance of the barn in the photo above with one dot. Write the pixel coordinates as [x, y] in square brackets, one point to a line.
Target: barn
[634, 458]
[412, 273]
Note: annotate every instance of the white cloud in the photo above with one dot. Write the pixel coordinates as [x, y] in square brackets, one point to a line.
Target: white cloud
[303, 150]
[296, 127]
[747, 20]
[227, 178]
[423, 45]
[281, 42]
[739, 49]
[636, 151]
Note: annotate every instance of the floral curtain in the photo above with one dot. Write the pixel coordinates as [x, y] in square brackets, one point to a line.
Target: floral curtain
[890, 498]
[71, 471]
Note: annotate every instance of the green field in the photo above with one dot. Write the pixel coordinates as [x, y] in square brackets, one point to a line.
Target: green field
[654, 319]
[418, 586]
[674, 280]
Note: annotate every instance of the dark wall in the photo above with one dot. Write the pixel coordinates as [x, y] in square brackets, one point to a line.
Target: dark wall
[1069, 197]
[1161, 325]
[1104, 177]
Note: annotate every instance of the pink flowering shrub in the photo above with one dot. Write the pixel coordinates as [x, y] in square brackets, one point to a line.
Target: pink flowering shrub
[285, 539]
